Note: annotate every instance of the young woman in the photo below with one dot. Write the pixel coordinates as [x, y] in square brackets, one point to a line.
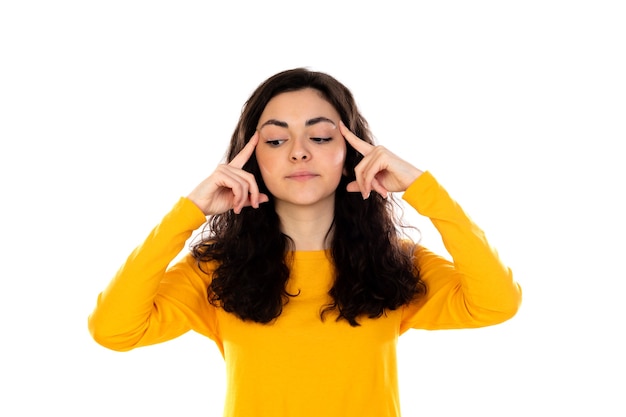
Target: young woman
[301, 275]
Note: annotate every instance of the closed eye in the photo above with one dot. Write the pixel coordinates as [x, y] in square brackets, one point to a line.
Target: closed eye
[321, 140]
[275, 142]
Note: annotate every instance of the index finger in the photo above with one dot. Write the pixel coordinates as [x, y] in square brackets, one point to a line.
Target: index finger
[242, 157]
[357, 143]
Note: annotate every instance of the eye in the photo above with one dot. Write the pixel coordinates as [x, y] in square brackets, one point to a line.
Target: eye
[275, 142]
[321, 140]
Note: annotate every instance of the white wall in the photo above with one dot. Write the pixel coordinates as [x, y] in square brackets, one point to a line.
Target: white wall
[109, 111]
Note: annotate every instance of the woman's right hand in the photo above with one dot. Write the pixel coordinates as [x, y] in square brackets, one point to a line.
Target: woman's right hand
[229, 186]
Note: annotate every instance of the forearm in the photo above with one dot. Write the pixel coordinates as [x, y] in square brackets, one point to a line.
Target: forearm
[123, 310]
[489, 293]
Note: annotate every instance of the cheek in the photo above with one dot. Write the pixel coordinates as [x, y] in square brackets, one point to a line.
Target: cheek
[339, 158]
[265, 165]
[337, 163]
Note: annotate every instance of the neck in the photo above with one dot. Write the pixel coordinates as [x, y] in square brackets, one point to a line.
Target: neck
[307, 226]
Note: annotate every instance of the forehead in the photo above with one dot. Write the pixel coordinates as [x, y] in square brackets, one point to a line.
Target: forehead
[299, 106]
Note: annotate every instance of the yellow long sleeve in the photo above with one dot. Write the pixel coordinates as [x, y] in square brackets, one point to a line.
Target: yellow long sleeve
[474, 290]
[299, 364]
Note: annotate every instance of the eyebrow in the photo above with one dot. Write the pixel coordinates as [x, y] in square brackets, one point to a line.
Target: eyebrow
[310, 122]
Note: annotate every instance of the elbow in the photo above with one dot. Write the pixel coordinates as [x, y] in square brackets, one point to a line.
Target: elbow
[107, 339]
[506, 315]
[507, 307]
[500, 309]
[515, 301]
[109, 343]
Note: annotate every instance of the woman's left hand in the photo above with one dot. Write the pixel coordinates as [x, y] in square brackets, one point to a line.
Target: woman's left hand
[380, 170]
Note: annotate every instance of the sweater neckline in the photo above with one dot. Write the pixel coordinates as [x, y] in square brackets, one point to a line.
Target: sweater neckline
[305, 255]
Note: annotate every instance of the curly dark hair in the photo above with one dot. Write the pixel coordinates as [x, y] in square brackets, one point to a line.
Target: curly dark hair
[374, 268]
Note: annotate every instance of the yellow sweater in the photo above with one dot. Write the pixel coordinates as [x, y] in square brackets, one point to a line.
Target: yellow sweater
[299, 365]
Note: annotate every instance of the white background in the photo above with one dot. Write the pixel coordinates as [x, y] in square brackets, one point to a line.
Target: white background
[109, 111]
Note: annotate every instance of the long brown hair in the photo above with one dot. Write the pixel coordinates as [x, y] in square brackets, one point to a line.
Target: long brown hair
[374, 269]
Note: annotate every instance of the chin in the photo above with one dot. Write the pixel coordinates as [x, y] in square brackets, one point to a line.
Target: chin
[304, 201]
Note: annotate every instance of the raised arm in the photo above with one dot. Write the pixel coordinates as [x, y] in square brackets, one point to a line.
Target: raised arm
[476, 289]
[148, 303]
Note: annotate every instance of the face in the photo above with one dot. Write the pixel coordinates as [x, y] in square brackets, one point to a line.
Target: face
[301, 152]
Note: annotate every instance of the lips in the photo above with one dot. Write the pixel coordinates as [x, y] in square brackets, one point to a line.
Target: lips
[302, 175]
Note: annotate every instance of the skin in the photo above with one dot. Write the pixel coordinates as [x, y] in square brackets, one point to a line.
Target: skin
[300, 145]
[380, 170]
[301, 155]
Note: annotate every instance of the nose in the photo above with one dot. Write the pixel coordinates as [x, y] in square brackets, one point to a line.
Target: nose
[299, 151]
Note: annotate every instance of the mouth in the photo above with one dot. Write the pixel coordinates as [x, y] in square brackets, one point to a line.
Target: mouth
[302, 176]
